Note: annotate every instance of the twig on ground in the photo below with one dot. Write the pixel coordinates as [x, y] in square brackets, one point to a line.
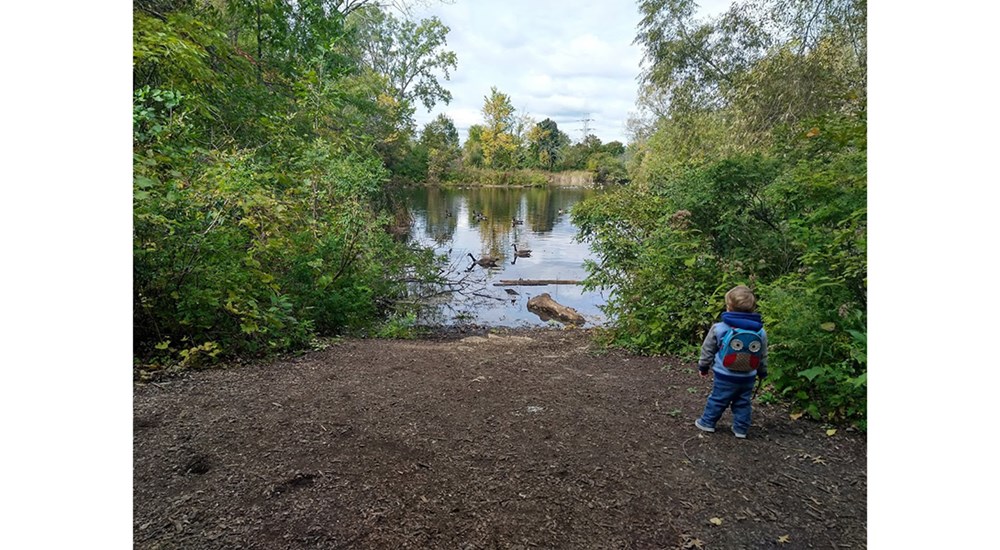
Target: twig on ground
[684, 448]
[793, 478]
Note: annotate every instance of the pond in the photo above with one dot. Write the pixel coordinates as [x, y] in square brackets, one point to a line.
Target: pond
[480, 221]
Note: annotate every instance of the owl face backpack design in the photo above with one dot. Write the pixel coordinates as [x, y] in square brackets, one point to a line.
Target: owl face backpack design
[742, 349]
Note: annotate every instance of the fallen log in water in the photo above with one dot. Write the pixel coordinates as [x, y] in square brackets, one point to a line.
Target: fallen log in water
[544, 306]
[536, 282]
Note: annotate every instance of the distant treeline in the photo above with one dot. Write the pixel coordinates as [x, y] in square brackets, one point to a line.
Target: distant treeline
[509, 148]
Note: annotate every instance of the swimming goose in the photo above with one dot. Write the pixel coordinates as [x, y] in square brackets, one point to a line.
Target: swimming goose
[485, 261]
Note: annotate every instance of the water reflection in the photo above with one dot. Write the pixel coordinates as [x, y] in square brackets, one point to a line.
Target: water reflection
[488, 222]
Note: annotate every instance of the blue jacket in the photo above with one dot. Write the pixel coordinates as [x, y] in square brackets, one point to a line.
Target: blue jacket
[710, 348]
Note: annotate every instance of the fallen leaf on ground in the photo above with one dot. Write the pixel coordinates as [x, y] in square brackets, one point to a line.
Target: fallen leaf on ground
[783, 539]
[795, 416]
[831, 431]
[715, 521]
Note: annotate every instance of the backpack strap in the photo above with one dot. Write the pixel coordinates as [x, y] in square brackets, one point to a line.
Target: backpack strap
[722, 331]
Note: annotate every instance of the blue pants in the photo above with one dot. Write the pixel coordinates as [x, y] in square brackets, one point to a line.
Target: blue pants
[727, 394]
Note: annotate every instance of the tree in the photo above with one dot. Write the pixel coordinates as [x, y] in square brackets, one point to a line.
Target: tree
[606, 168]
[545, 143]
[614, 148]
[766, 63]
[440, 141]
[575, 156]
[440, 133]
[410, 55]
[499, 143]
[498, 112]
[472, 150]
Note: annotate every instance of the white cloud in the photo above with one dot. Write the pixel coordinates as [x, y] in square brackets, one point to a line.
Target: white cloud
[463, 117]
[539, 82]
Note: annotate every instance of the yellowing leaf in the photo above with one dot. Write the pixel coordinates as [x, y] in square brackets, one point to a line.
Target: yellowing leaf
[831, 431]
[715, 521]
[783, 539]
[796, 416]
[829, 327]
[813, 132]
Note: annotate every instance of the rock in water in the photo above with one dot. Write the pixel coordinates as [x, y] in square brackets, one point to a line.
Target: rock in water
[544, 306]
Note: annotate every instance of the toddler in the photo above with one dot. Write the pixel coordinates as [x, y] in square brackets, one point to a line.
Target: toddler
[736, 352]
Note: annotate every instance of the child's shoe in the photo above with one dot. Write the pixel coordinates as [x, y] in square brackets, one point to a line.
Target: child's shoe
[703, 427]
[738, 434]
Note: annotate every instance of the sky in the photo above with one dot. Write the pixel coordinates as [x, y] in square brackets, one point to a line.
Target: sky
[560, 59]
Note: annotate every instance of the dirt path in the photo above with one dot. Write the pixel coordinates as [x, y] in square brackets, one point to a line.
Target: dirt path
[519, 440]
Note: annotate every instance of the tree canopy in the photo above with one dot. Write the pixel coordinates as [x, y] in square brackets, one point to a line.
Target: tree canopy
[546, 142]
[410, 55]
[498, 141]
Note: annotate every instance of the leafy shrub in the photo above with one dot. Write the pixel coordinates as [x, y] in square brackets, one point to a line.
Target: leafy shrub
[400, 326]
[791, 224]
[607, 168]
[486, 176]
[817, 351]
[259, 262]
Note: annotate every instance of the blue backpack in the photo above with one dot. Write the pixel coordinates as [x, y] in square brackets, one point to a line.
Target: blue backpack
[742, 350]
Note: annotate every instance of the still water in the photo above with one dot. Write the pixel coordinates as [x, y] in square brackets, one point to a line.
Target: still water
[457, 222]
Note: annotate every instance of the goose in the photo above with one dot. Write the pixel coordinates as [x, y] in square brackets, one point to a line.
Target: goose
[515, 221]
[524, 252]
[485, 261]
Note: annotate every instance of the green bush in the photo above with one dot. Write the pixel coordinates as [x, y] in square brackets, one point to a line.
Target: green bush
[400, 326]
[607, 168]
[817, 351]
[791, 224]
[259, 263]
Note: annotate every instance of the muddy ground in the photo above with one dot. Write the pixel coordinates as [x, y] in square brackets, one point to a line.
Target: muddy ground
[511, 440]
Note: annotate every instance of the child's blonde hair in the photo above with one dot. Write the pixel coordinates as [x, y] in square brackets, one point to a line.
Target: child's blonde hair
[740, 298]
